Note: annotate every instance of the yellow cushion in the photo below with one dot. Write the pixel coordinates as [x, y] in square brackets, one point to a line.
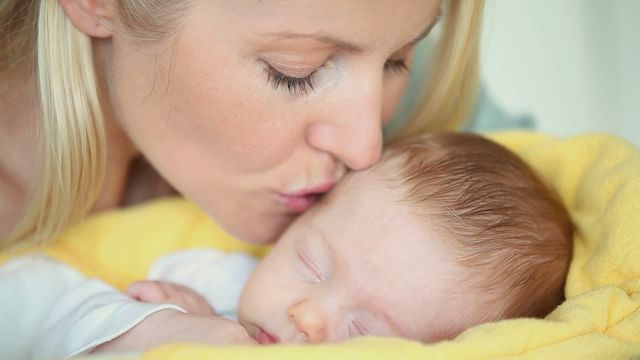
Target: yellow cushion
[143, 233]
[598, 178]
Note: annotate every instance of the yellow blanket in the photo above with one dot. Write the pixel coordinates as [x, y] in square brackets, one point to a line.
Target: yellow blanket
[598, 178]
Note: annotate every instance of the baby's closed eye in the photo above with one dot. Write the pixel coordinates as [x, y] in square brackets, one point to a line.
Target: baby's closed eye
[310, 265]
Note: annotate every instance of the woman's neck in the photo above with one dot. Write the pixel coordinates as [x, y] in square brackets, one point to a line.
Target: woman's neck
[120, 155]
[18, 127]
[19, 116]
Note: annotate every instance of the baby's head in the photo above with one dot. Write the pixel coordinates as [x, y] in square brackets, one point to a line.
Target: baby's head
[446, 232]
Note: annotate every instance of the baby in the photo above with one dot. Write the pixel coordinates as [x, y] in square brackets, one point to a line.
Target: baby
[446, 232]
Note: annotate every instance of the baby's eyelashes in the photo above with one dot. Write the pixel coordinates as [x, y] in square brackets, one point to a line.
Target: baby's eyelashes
[311, 266]
[357, 329]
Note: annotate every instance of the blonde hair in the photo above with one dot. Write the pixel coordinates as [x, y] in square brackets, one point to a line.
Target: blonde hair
[16, 31]
[71, 133]
[452, 82]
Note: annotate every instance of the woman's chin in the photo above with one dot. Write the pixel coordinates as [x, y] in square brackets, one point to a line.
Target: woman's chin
[267, 231]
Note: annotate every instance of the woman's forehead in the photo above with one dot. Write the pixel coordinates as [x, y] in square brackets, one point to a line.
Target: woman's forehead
[359, 24]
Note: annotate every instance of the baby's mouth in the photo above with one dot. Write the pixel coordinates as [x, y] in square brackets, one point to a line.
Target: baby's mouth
[265, 338]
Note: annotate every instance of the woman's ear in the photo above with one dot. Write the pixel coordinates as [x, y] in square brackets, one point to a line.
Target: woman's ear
[92, 17]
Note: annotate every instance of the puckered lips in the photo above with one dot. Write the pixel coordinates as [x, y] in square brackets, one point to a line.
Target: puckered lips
[299, 201]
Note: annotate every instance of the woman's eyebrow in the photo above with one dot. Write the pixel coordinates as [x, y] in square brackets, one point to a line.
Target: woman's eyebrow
[328, 39]
[426, 31]
[343, 44]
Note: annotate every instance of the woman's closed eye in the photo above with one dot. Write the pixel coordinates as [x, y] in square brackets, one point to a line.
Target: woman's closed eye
[295, 85]
[303, 85]
[397, 66]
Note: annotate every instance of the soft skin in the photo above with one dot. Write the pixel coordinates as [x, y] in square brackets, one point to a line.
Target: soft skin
[351, 268]
[361, 262]
[204, 105]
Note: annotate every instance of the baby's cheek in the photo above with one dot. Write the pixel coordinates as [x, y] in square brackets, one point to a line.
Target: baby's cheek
[245, 297]
[255, 291]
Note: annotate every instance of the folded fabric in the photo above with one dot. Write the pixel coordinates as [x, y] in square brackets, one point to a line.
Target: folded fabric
[597, 177]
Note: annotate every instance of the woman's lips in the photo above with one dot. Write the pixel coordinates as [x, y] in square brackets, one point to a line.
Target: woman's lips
[300, 201]
[264, 338]
[299, 204]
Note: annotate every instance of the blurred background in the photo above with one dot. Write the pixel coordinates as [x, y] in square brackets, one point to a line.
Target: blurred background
[571, 66]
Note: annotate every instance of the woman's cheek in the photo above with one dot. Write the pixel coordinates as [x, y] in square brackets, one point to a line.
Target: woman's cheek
[247, 134]
[393, 92]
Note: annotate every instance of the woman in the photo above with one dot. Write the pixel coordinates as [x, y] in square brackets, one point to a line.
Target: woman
[250, 109]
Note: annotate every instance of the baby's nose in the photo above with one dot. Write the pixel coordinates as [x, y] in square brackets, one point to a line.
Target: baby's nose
[309, 319]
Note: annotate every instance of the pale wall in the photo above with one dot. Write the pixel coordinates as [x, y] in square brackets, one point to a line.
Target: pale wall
[573, 64]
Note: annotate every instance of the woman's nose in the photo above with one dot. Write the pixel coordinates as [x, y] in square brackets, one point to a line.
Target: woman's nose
[351, 131]
[309, 319]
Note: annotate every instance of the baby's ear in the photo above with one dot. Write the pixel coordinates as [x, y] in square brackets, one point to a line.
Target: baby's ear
[92, 17]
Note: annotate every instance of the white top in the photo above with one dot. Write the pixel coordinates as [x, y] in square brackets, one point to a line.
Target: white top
[49, 310]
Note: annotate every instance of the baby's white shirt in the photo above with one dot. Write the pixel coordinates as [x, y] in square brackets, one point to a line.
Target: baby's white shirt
[49, 310]
[217, 276]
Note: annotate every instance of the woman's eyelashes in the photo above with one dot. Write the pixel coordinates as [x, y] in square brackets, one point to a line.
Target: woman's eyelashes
[397, 66]
[295, 85]
[305, 85]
